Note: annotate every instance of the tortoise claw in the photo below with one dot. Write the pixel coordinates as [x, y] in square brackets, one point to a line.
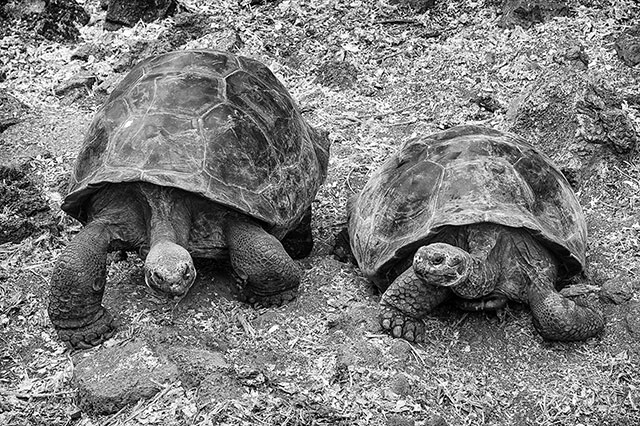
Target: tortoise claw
[401, 326]
[89, 335]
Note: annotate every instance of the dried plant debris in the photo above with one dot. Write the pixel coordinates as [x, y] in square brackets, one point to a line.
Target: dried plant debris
[373, 74]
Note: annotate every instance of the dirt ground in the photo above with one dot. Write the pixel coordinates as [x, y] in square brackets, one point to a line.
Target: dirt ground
[372, 74]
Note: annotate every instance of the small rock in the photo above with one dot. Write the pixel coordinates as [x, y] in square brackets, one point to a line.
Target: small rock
[603, 120]
[435, 420]
[114, 377]
[578, 56]
[126, 13]
[627, 46]
[81, 80]
[525, 13]
[397, 420]
[11, 110]
[84, 51]
[633, 320]
[617, 290]
[194, 364]
[400, 385]
[337, 74]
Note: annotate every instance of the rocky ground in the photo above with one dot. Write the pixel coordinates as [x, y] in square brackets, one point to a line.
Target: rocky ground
[372, 74]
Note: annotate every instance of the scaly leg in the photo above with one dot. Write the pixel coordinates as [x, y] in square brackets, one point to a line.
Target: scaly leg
[268, 274]
[77, 286]
[407, 300]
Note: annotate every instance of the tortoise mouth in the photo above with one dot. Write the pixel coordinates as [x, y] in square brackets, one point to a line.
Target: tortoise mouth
[174, 283]
[169, 269]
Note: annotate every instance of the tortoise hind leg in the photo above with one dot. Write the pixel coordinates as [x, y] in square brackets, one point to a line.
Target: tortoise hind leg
[558, 318]
[77, 286]
[298, 242]
[268, 274]
[407, 300]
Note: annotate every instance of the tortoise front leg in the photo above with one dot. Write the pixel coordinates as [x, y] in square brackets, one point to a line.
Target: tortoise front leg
[268, 274]
[407, 300]
[77, 286]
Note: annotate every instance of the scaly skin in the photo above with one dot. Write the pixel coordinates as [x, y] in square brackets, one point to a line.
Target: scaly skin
[77, 286]
[505, 264]
[406, 302]
[168, 267]
[142, 215]
[267, 273]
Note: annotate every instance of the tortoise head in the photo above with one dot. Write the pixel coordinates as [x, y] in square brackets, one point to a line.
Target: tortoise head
[169, 269]
[442, 264]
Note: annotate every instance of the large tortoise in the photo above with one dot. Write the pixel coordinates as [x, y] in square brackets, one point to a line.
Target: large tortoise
[195, 153]
[477, 216]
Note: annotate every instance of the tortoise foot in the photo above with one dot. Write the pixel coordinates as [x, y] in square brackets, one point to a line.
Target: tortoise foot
[400, 325]
[86, 336]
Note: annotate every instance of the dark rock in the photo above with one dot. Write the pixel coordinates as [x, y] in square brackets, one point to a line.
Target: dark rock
[397, 420]
[25, 211]
[633, 320]
[11, 110]
[578, 121]
[435, 420]
[126, 13]
[603, 121]
[525, 13]
[81, 80]
[114, 377]
[195, 364]
[54, 20]
[337, 74]
[627, 46]
[187, 26]
[617, 290]
[401, 385]
[577, 55]
[487, 102]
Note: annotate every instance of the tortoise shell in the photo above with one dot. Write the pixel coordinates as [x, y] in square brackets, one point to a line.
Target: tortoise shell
[211, 123]
[461, 176]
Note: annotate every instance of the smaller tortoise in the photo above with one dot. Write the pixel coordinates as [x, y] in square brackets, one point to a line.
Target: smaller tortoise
[477, 216]
[195, 153]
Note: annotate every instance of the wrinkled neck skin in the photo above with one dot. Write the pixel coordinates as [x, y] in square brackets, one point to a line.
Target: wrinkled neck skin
[505, 262]
[168, 265]
[170, 218]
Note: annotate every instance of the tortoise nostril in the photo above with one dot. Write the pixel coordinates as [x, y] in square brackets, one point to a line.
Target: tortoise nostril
[437, 259]
[455, 261]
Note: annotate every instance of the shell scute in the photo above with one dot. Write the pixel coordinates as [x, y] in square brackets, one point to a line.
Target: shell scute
[238, 152]
[211, 123]
[482, 176]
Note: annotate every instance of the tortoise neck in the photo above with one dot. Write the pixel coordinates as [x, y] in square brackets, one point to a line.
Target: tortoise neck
[170, 219]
